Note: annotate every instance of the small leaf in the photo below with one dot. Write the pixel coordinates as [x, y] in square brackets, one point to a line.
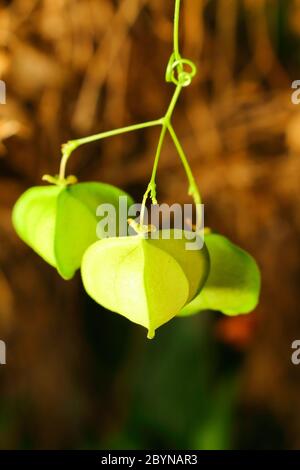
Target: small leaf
[233, 284]
[141, 279]
[60, 222]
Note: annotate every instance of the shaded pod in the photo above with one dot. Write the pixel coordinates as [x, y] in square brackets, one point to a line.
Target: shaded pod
[233, 284]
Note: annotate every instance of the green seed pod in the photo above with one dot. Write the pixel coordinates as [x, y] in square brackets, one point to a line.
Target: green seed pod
[59, 221]
[146, 280]
[233, 284]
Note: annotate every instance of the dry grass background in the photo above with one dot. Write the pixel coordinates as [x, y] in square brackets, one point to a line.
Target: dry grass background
[77, 67]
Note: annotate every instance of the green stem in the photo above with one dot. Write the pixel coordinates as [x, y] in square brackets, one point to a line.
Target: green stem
[157, 156]
[176, 29]
[172, 104]
[70, 146]
[151, 189]
[193, 188]
[183, 79]
[177, 55]
[166, 121]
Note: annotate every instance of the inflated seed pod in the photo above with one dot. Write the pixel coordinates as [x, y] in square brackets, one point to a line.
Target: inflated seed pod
[59, 221]
[233, 284]
[146, 280]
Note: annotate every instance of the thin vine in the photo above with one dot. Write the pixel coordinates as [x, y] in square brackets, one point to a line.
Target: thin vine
[180, 72]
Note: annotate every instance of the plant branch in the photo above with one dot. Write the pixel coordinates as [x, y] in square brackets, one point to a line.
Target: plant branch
[193, 188]
[181, 78]
[69, 147]
[151, 189]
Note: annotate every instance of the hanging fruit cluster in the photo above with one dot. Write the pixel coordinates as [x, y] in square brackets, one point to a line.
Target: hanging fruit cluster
[147, 280]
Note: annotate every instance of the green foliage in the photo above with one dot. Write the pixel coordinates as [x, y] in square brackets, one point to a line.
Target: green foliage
[59, 222]
[233, 284]
[147, 281]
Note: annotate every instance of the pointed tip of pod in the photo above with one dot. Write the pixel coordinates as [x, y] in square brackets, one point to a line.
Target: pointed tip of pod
[66, 275]
[151, 334]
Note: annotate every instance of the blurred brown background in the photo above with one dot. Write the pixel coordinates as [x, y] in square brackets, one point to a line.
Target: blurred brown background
[78, 376]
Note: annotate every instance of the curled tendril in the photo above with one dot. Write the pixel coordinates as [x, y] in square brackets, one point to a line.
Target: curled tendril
[176, 71]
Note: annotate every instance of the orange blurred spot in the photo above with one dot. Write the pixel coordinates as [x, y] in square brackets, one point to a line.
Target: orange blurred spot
[237, 331]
